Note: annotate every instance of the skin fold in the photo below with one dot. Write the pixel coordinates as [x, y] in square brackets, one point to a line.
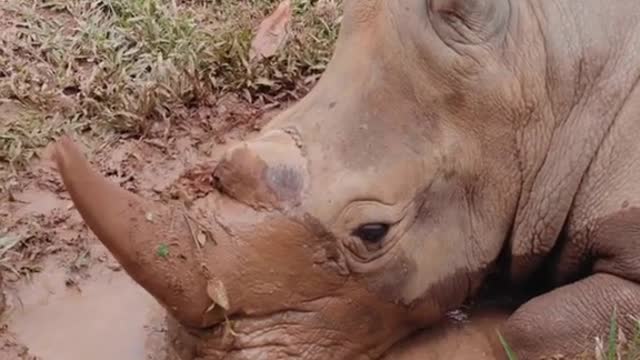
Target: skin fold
[449, 144]
[3, 300]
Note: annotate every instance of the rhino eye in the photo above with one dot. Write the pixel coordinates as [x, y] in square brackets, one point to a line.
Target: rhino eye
[372, 233]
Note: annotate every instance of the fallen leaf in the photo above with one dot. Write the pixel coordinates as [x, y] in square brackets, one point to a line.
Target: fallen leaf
[7, 242]
[265, 82]
[272, 32]
[218, 294]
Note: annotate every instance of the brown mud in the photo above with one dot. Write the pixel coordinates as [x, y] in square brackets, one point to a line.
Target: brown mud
[68, 299]
[105, 317]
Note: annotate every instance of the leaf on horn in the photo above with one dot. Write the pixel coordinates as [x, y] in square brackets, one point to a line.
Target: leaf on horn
[218, 294]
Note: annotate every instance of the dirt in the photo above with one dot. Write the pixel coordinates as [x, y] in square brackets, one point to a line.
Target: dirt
[68, 299]
[104, 317]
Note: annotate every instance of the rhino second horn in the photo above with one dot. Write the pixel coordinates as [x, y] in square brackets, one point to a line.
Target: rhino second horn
[150, 240]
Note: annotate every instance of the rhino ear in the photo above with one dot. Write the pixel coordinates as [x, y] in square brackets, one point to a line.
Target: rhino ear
[473, 20]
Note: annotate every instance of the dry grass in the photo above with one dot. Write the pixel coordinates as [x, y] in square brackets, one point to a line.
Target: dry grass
[125, 65]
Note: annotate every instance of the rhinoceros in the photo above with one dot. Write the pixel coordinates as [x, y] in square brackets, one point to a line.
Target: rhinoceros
[448, 143]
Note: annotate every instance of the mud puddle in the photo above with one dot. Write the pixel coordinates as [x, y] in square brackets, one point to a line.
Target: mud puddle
[105, 317]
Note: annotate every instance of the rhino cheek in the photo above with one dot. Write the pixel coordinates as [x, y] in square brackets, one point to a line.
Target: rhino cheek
[439, 270]
[416, 285]
[391, 280]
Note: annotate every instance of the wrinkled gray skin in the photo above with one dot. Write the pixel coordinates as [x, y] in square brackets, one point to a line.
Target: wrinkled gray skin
[492, 136]
[534, 108]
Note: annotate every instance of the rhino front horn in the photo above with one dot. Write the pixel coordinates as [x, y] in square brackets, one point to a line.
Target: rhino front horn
[149, 240]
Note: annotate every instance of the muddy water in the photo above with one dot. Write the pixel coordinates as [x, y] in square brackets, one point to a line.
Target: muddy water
[106, 317]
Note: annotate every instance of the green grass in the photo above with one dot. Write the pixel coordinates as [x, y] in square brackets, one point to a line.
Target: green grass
[612, 353]
[125, 65]
[617, 347]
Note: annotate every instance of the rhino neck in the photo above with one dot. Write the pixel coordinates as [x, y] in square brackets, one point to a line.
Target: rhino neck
[582, 44]
[589, 73]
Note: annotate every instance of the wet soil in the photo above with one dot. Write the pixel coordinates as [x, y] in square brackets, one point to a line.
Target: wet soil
[68, 299]
[104, 317]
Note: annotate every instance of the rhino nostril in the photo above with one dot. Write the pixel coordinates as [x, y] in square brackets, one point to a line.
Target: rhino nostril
[216, 182]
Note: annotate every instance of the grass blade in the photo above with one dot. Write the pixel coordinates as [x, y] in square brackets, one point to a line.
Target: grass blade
[510, 354]
[613, 336]
[634, 346]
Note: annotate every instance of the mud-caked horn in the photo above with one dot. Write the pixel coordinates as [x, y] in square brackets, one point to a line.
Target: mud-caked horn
[150, 240]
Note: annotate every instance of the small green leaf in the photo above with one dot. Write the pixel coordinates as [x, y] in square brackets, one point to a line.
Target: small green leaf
[163, 251]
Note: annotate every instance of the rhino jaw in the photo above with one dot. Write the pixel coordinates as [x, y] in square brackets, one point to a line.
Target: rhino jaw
[145, 237]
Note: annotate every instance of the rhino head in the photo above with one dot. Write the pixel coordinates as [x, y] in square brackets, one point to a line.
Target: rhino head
[366, 211]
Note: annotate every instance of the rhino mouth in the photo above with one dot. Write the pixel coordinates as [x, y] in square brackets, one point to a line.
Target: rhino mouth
[282, 334]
